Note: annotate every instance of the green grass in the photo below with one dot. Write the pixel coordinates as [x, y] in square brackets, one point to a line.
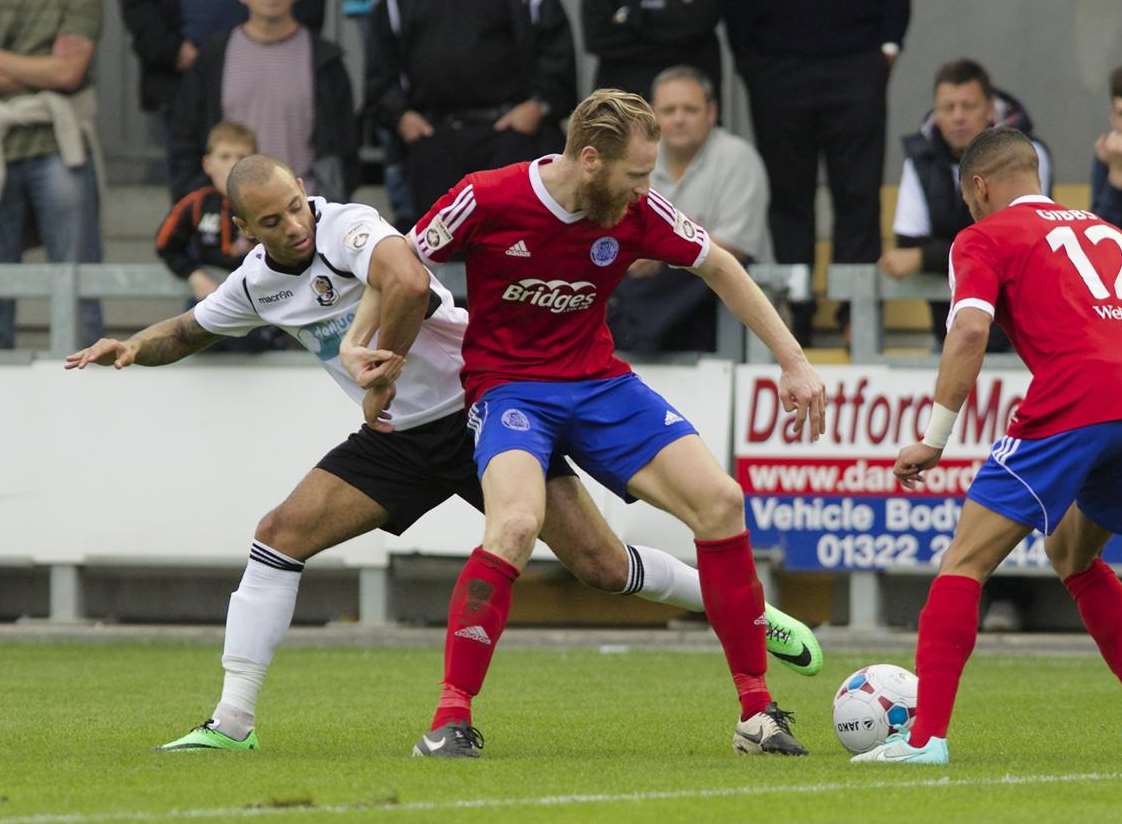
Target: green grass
[337, 725]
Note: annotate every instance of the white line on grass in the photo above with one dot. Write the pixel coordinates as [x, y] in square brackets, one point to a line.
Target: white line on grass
[559, 800]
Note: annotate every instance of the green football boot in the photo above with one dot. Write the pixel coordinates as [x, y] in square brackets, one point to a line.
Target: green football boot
[792, 642]
[206, 737]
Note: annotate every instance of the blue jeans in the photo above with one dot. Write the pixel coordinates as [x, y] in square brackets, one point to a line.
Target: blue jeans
[63, 203]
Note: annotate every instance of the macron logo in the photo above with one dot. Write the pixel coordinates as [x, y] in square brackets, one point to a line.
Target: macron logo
[475, 633]
[671, 418]
[518, 250]
[283, 294]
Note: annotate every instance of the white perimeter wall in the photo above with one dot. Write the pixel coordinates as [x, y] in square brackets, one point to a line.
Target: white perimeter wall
[179, 463]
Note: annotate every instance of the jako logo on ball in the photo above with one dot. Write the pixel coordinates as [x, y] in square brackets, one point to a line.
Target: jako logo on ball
[555, 295]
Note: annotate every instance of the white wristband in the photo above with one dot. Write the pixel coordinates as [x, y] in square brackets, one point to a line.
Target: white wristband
[940, 426]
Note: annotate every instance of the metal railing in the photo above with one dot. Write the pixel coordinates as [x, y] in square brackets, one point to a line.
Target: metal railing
[867, 288]
[863, 285]
[62, 284]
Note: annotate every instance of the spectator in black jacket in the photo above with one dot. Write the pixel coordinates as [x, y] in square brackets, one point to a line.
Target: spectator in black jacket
[1106, 169]
[816, 72]
[470, 91]
[637, 39]
[290, 87]
[929, 207]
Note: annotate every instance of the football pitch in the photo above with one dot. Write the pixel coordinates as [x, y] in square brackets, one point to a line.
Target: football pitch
[571, 735]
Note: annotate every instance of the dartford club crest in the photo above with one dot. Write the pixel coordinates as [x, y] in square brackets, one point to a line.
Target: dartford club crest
[324, 290]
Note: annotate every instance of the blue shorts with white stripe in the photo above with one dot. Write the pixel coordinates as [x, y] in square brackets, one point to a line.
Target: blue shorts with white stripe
[1034, 482]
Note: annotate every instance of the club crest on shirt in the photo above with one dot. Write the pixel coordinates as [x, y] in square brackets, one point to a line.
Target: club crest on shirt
[357, 235]
[515, 419]
[604, 251]
[324, 290]
[437, 235]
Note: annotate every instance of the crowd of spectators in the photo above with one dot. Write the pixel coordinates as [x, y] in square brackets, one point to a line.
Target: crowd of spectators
[447, 92]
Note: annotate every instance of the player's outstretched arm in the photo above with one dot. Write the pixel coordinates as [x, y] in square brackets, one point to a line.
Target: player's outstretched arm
[963, 353]
[161, 343]
[800, 385]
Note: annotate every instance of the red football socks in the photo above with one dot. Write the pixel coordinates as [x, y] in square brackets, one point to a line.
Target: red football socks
[734, 604]
[948, 627]
[477, 614]
[1098, 595]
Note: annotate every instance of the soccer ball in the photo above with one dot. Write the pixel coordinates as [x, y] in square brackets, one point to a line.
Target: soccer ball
[872, 704]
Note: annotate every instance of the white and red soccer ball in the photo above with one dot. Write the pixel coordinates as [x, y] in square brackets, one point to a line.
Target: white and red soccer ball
[872, 704]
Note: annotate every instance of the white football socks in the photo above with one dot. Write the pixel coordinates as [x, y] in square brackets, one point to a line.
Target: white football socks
[655, 575]
[260, 611]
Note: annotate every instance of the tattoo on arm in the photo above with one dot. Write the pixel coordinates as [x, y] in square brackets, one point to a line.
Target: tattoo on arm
[171, 340]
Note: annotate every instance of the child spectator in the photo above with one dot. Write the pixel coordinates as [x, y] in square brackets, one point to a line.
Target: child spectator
[199, 241]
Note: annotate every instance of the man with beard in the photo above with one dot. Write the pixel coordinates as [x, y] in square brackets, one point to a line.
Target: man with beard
[545, 244]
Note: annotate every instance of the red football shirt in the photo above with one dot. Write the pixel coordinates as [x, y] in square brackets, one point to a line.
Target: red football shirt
[1052, 279]
[539, 277]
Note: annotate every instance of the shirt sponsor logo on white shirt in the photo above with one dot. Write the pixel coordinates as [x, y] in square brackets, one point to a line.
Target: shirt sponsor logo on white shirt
[322, 339]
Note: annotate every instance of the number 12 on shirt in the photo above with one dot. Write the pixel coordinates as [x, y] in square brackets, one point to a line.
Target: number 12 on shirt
[1063, 237]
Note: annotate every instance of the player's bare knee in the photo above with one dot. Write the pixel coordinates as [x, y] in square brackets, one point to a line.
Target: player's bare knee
[721, 514]
[960, 560]
[1067, 558]
[601, 571]
[517, 529]
[269, 527]
[280, 530]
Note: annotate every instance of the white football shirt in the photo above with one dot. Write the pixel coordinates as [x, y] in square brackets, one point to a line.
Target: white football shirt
[316, 305]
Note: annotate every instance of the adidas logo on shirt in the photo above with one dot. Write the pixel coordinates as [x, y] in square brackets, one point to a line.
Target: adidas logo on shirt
[475, 633]
[671, 418]
[518, 250]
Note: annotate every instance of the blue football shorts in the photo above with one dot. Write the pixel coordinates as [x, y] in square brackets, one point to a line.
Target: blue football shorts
[611, 427]
[1034, 482]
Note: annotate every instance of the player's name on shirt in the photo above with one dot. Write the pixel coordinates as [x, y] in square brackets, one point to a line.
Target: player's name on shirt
[316, 304]
[1051, 277]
